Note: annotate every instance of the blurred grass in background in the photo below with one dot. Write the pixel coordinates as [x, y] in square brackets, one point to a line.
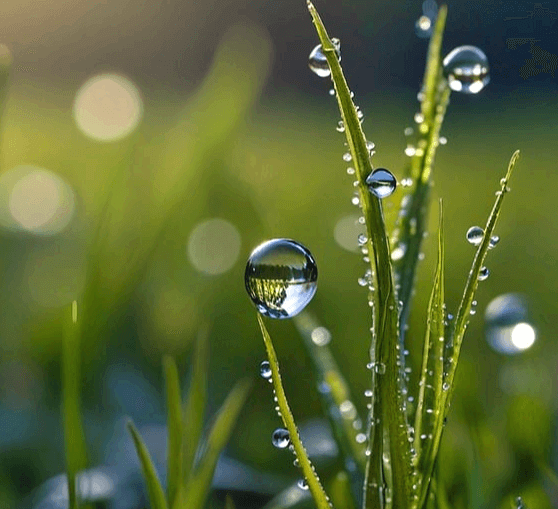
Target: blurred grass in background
[193, 181]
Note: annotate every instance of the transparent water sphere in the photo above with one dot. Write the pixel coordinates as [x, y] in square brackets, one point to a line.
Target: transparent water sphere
[265, 370]
[474, 235]
[507, 326]
[281, 278]
[466, 69]
[280, 438]
[381, 183]
[317, 60]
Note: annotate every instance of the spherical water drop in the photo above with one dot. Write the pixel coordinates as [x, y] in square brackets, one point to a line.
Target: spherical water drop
[332, 91]
[419, 117]
[340, 126]
[466, 69]
[362, 239]
[302, 484]
[281, 278]
[317, 61]
[280, 438]
[493, 241]
[265, 370]
[423, 27]
[507, 328]
[381, 183]
[443, 140]
[347, 157]
[483, 274]
[350, 171]
[475, 235]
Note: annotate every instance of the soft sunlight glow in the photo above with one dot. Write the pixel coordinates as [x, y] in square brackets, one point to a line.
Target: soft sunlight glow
[346, 232]
[35, 200]
[108, 107]
[214, 246]
[523, 336]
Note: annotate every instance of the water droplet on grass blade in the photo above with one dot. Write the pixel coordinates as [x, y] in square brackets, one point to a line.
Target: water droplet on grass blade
[483, 274]
[423, 27]
[493, 241]
[475, 235]
[317, 61]
[347, 157]
[281, 278]
[265, 370]
[340, 126]
[280, 438]
[466, 69]
[381, 183]
[302, 484]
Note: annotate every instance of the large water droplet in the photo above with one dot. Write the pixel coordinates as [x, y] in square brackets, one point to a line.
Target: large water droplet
[507, 327]
[281, 278]
[466, 69]
[317, 61]
[475, 235]
[280, 438]
[265, 370]
[381, 183]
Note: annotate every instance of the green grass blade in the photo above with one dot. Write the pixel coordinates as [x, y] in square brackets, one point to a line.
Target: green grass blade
[229, 504]
[197, 487]
[316, 489]
[389, 400]
[430, 403]
[345, 421]
[6, 60]
[340, 489]
[74, 437]
[194, 408]
[462, 317]
[413, 216]
[174, 426]
[154, 489]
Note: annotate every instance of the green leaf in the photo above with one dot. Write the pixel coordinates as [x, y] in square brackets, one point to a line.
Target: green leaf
[152, 483]
[430, 402]
[338, 396]
[194, 408]
[174, 426]
[74, 436]
[198, 486]
[413, 216]
[388, 400]
[318, 493]
[462, 317]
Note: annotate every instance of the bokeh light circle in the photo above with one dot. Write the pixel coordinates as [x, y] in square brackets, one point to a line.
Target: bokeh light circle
[214, 246]
[107, 107]
[35, 200]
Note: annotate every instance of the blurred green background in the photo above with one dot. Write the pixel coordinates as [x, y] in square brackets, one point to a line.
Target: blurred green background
[147, 148]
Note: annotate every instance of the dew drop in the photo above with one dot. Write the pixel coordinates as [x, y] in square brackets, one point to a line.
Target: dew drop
[317, 61]
[265, 370]
[423, 27]
[347, 157]
[445, 386]
[507, 326]
[350, 171]
[443, 140]
[280, 438]
[410, 150]
[362, 239]
[281, 278]
[368, 393]
[408, 131]
[483, 274]
[380, 368]
[355, 200]
[340, 126]
[418, 118]
[466, 69]
[474, 235]
[360, 438]
[493, 241]
[370, 146]
[381, 183]
[302, 484]
[332, 91]
[320, 336]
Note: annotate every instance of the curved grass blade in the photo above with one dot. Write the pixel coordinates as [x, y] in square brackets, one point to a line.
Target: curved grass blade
[430, 402]
[194, 408]
[174, 426]
[197, 487]
[154, 488]
[334, 392]
[318, 493]
[462, 317]
[74, 436]
[412, 220]
[389, 402]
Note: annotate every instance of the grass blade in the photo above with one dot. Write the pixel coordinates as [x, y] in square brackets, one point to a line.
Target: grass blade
[389, 401]
[345, 421]
[74, 436]
[194, 408]
[341, 491]
[462, 317]
[413, 216]
[174, 426]
[318, 493]
[153, 485]
[197, 487]
[229, 504]
[430, 404]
